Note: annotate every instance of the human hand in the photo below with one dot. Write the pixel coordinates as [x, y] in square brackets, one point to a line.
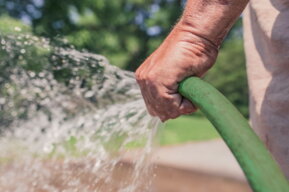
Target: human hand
[181, 55]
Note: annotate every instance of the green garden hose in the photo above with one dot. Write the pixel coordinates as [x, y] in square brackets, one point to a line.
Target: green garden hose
[261, 170]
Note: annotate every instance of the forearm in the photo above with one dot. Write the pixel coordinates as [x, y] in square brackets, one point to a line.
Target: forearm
[190, 49]
[211, 19]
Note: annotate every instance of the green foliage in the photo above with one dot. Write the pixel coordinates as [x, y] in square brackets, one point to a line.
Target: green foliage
[187, 129]
[181, 130]
[125, 31]
[26, 58]
[120, 30]
[20, 49]
[9, 26]
[228, 75]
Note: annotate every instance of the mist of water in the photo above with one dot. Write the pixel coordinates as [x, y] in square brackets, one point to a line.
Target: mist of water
[66, 117]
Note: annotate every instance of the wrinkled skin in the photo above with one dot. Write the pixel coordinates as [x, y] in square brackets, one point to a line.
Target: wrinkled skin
[190, 49]
[181, 55]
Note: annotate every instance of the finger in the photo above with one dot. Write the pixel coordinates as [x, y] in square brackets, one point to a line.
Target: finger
[187, 107]
[146, 98]
[154, 100]
[163, 118]
[161, 103]
[150, 110]
[173, 111]
[169, 107]
[148, 106]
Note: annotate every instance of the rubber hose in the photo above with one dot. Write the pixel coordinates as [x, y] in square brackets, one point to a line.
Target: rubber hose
[262, 172]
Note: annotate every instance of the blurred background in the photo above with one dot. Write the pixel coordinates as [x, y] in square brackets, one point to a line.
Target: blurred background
[126, 32]
[39, 37]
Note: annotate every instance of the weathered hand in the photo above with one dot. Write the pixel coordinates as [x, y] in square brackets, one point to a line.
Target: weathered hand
[181, 55]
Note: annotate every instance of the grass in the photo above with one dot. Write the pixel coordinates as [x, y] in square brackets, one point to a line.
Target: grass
[185, 129]
[182, 130]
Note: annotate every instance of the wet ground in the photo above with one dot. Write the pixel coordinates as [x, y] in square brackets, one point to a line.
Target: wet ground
[73, 178]
[193, 167]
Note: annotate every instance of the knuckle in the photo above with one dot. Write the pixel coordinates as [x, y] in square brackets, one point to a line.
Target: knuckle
[139, 81]
[166, 97]
[139, 78]
[170, 100]
[151, 76]
[148, 77]
[137, 75]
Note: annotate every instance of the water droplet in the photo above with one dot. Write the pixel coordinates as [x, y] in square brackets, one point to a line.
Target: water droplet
[2, 100]
[22, 51]
[17, 29]
[84, 121]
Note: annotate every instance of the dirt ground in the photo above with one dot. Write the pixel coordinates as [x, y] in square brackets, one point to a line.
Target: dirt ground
[77, 177]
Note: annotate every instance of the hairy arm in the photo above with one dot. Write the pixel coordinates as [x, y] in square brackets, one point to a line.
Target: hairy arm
[190, 49]
[211, 19]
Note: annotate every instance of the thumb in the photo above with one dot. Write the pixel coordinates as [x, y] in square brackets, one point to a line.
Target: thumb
[187, 107]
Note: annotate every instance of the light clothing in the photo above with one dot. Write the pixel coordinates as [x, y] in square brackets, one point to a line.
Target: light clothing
[266, 34]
